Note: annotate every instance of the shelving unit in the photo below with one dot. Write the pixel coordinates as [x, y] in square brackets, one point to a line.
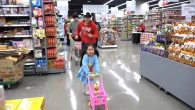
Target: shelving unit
[119, 26]
[48, 58]
[153, 22]
[15, 26]
[126, 24]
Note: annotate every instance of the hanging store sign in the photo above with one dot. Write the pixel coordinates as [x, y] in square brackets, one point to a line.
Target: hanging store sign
[131, 5]
[188, 9]
[114, 10]
[95, 8]
[62, 5]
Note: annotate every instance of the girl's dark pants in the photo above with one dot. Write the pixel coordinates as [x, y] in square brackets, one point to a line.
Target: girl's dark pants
[84, 49]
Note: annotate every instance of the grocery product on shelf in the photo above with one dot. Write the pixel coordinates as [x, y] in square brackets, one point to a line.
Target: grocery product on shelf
[154, 47]
[153, 23]
[108, 37]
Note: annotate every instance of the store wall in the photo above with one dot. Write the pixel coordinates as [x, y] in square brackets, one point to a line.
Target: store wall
[141, 8]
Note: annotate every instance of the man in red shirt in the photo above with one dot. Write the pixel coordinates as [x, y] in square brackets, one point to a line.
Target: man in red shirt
[142, 26]
[88, 31]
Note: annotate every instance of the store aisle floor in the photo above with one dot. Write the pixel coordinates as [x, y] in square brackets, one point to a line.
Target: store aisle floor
[123, 84]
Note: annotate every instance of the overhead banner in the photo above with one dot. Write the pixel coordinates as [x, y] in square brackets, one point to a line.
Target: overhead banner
[114, 10]
[188, 9]
[131, 5]
[95, 8]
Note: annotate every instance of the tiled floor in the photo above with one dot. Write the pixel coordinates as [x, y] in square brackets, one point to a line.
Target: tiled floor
[124, 87]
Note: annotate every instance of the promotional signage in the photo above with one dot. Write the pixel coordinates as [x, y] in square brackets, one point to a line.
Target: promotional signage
[95, 8]
[62, 5]
[131, 5]
[114, 10]
[188, 9]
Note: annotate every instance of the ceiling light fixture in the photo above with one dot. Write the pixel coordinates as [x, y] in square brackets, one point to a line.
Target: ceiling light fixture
[172, 7]
[175, 4]
[120, 5]
[108, 2]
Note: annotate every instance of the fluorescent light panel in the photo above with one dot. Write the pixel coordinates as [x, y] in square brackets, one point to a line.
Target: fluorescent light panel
[172, 7]
[108, 2]
[120, 5]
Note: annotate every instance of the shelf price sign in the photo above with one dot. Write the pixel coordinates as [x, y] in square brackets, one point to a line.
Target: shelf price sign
[131, 5]
[188, 9]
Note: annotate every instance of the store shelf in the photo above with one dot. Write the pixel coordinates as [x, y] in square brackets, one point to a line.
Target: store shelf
[13, 6]
[15, 36]
[29, 63]
[108, 46]
[56, 70]
[15, 25]
[15, 15]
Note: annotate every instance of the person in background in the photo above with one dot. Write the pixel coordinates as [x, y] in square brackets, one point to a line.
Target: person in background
[142, 26]
[73, 27]
[98, 27]
[88, 31]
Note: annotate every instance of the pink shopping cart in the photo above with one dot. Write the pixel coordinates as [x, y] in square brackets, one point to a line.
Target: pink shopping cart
[98, 97]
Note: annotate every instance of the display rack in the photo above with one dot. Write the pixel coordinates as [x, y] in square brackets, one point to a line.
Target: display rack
[15, 29]
[119, 26]
[112, 23]
[108, 38]
[153, 23]
[126, 28]
[49, 57]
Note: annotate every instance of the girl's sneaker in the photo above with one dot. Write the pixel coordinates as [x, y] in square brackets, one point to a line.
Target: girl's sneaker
[87, 92]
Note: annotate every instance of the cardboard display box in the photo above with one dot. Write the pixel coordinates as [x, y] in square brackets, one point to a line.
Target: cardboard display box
[32, 104]
[12, 104]
[51, 63]
[8, 67]
[13, 77]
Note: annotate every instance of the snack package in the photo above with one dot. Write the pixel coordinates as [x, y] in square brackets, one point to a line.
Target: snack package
[20, 44]
[37, 12]
[40, 22]
[26, 11]
[14, 44]
[21, 10]
[4, 2]
[37, 43]
[41, 33]
[36, 3]
[1, 11]
[34, 22]
[38, 53]
[14, 11]
[28, 43]
[6, 11]
[35, 33]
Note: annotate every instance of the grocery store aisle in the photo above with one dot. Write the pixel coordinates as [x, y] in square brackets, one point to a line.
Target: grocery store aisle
[123, 84]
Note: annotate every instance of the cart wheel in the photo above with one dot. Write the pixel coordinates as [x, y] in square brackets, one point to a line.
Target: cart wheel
[89, 104]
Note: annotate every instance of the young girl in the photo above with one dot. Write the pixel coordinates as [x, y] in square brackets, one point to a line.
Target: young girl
[89, 62]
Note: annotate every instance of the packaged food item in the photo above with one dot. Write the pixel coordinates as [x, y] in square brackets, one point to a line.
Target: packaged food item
[6, 11]
[28, 43]
[38, 53]
[26, 11]
[40, 22]
[3, 47]
[14, 11]
[37, 43]
[5, 2]
[35, 33]
[1, 11]
[41, 33]
[36, 3]
[37, 12]
[34, 22]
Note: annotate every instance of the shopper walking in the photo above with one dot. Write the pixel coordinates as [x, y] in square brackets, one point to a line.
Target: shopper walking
[89, 61]
[88, 32]
[73, 27]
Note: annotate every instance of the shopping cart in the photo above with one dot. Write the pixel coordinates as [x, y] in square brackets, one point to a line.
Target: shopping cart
[97, 94]
[76, 50]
